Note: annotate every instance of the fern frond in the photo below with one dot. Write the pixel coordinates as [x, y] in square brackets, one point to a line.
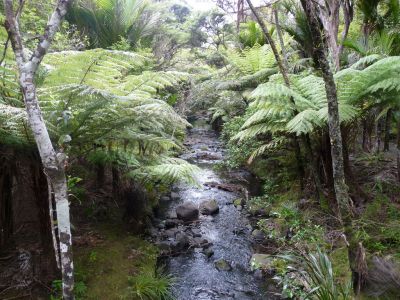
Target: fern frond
[263, 149]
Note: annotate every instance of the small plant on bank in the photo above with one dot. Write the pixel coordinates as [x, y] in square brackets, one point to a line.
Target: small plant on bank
[316, 275]
[149, 286]
[80, 289]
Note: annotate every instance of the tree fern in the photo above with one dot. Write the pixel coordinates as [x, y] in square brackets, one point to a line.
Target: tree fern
[108, 99]
[251, 60]
[302, 108]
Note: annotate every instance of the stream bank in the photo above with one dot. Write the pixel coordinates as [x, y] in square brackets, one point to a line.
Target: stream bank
[208, 251]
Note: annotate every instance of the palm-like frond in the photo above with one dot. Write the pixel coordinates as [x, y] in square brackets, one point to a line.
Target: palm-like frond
[106, 21]
[108, 99]
[251, 60]
[168, 170]
[302, 108]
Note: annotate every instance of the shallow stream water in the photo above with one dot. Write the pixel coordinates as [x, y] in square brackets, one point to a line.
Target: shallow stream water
[229, 232]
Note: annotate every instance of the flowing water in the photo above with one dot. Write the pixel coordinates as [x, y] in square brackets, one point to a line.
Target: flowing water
[229, 232]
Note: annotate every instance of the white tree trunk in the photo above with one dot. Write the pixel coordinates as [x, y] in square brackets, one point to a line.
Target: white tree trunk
[52, 161]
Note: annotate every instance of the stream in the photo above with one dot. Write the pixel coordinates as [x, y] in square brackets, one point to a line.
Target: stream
[227, 234]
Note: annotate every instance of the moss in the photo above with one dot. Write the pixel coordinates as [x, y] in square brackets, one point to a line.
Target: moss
[340, 265]
[380, 226]
[106, 267]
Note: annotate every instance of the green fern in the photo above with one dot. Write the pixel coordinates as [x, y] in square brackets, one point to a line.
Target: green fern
[302, 108]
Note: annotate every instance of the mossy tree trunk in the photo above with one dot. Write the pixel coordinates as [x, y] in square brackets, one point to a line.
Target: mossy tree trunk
[356, 253]
[388, 123]
[398, 150]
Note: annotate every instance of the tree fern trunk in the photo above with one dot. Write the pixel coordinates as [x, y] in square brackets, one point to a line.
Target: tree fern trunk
[345, 214]
[358, 195]
[398, 151]
[299, 161]
[378, 139]
[365, 144]
[314, 167]
[388, 123]
[283, 70]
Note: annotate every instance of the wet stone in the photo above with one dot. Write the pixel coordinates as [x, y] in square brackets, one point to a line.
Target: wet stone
[165, 199]
[196, 232]
[172, 215]
[209, 207]
[198, 241]
[175, 196]
[170, 223]
[187, 211]
[258, 234]
[182, 240]
[222, 265]
[208, 252]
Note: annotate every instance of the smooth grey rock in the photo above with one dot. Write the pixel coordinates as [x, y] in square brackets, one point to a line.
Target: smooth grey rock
[161, 225]
[175, 196]
[196, 232]
[182, 240]
[165, 198]
[239, 207]
[170, 223]
[208, 252]
[198, 242]
[209, 207]
[187, 211]
[170, 233]
[258, 234]
[258, 274]
[164, 246]
[172, 215]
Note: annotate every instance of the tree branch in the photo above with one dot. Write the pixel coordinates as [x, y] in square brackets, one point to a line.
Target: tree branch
[52, 26]
[12, 27]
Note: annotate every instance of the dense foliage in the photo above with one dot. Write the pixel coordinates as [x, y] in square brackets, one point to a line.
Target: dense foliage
[122, 77]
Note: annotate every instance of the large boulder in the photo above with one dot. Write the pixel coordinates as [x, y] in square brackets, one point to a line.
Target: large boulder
[187, 211]
[209, 207]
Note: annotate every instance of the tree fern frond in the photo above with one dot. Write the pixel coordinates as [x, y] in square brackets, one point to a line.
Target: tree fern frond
[304, 122]
[263, 149]
[168, 170]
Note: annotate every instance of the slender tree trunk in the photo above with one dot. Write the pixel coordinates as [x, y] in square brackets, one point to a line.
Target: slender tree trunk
[314, 167]
[358, 195]
[378, 139]
[282, 44]
[240, 14]
[348, 14]
[365, 143]
[299, 160]
[345, 215]
[388, 123]
[53, 162]
[398, 150]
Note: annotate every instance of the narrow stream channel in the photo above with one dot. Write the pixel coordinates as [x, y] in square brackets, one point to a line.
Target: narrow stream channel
[228, 232]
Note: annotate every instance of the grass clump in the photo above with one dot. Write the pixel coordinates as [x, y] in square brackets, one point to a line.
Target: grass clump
[147, 285]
